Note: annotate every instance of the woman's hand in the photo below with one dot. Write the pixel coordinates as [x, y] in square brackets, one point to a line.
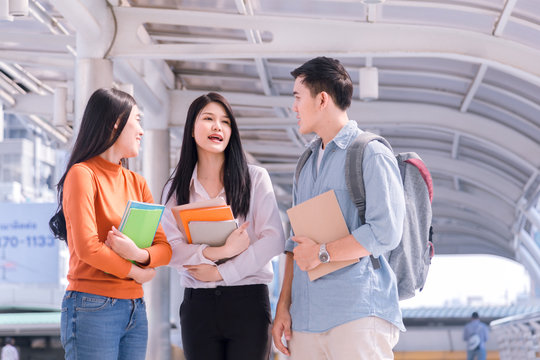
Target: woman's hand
[125, 247]
[204, 272]
[237, 242]
[141, 275]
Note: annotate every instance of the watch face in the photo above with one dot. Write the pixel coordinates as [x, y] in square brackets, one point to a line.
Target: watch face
[323, 257]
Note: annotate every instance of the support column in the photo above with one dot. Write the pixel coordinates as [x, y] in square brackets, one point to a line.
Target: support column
[94, 24]
[91, 74]
[37, 164]
[156, 292]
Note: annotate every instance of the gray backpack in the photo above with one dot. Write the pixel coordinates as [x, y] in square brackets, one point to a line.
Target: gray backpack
[410, 260]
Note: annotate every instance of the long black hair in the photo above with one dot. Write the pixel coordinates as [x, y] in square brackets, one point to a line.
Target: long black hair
[105, 109]
[236, 179]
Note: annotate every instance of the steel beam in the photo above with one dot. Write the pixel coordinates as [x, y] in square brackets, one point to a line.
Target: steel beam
[333, 37]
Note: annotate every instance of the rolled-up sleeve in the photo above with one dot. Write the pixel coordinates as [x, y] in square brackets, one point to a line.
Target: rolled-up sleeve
[289, 244]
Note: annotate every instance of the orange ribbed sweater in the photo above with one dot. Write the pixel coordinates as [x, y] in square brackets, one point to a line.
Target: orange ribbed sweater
[95, 194]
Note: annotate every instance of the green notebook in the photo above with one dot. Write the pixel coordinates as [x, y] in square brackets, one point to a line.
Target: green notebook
[140, 222]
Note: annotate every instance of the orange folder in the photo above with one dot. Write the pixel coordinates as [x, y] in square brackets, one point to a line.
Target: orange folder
[214, 213]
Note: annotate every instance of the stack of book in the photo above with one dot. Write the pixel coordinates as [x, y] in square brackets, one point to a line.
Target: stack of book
[140, 222]
[205, 222]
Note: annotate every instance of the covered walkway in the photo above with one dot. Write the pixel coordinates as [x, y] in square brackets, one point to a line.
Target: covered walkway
[457, 82]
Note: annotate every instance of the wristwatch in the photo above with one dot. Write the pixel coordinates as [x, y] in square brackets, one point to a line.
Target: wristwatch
[324, 256]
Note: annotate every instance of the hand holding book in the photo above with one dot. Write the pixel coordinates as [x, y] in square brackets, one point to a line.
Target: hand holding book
[305, 253]
[319, 219]
[136, 231]
[236, 243]
[125, 247]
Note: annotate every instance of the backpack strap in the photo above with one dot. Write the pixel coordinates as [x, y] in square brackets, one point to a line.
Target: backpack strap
[300, 164]
[354, 175]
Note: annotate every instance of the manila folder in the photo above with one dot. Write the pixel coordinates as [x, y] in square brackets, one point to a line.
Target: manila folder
[320, 219]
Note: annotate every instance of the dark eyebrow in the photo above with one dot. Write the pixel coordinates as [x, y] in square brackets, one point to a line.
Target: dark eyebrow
[212, 114]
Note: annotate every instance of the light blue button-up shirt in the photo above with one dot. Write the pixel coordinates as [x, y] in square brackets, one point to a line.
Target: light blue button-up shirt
[358, 290]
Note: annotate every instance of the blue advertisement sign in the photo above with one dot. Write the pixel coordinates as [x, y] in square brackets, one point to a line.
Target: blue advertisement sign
[28, 250]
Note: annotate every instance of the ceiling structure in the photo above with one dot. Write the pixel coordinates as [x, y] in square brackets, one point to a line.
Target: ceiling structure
[459, 83]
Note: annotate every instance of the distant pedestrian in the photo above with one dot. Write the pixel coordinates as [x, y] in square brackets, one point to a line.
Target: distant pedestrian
[9, 351]
[476, 334]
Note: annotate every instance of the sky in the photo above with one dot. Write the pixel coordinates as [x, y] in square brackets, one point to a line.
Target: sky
[489, 280]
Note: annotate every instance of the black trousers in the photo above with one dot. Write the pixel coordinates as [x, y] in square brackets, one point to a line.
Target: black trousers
[226, 323]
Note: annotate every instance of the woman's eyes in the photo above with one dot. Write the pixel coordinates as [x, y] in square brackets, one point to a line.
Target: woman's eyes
[224, 121]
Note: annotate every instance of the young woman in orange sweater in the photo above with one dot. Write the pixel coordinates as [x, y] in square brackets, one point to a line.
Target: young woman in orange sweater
[103, 310]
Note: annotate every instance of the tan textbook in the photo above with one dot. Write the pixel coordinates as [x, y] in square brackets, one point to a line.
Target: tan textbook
[320, 219]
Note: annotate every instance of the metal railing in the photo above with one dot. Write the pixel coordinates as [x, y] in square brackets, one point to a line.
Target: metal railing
[518, 337]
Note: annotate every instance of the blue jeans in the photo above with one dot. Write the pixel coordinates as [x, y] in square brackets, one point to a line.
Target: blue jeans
[100, 327]
[478, 354]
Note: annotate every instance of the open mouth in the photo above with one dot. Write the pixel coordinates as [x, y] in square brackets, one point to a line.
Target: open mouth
[216, 137]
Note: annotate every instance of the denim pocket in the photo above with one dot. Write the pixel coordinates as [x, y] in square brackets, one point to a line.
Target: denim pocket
[89, 302]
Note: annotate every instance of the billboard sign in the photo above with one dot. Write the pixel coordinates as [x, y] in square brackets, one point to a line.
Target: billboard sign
[28, 251]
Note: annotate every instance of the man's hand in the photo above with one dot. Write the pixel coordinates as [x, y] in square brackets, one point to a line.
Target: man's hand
[125, 247]
[280, 328]
[141, 275]
[204, 272]
[306, 254]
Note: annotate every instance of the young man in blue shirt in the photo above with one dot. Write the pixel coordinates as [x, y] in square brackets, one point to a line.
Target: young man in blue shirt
[476, 334]
[352, 313]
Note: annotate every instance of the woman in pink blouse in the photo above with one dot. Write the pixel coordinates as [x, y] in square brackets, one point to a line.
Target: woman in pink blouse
[225, 313]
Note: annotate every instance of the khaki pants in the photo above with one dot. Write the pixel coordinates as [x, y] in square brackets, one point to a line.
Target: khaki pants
[369, 338]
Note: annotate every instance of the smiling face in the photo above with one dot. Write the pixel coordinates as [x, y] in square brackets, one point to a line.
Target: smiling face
[212, 129]
[128, 143]
[305, 107]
